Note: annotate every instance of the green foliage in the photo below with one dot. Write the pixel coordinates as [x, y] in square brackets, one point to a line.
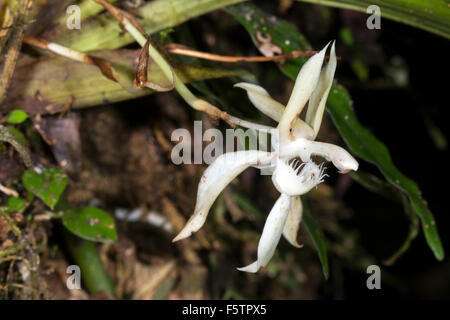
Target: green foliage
[15, 204]
[18, 135]
[103, 32]
[91, 224]
[47, 185]
[430, 15]
[16, 116]
[317, 236]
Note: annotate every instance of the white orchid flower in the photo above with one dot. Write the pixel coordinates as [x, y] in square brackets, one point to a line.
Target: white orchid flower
[291, 177]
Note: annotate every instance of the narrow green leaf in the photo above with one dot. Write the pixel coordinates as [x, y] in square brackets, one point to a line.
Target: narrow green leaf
[91, 224]
[46, 184]
[317, 237]
[360, 140]
[430, 15]
[16, 116]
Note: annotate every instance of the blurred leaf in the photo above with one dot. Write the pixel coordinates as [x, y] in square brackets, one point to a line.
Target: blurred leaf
[19, 136]
[16, 116]
[86, 256]
[15, 204]
[430, 15]
[360, 69]
[346, 36]
[317, 237]
[398, 71]
[48, 185]
[54, 82]
[91, 224]
[7, 134]
[360, 140]
[435, 133]
[103, 32]
[246, 204]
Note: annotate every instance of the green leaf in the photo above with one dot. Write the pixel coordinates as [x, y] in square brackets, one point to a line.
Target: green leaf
[317, 237]
[15, 204]
[47, 185]
[103, 31]
[363, 143]
[430, 15]
[16, 116]
[91, 224]
[86, 86]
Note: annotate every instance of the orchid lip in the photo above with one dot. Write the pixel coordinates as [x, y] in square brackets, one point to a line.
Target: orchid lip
[295, 178]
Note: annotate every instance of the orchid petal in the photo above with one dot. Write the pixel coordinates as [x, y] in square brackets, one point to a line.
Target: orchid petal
[304, 149]
[261, 99]
[271, 234]
[215, 178]
[304, 87]
[316, 105]
[293, 221]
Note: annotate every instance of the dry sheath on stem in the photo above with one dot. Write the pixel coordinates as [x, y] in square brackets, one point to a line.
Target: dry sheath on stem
[102, 64]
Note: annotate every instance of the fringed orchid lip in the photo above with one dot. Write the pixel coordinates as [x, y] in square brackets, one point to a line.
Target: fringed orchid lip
[295, 178]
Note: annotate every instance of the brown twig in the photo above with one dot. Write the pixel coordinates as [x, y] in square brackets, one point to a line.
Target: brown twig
[179, 49]
[8, 191]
